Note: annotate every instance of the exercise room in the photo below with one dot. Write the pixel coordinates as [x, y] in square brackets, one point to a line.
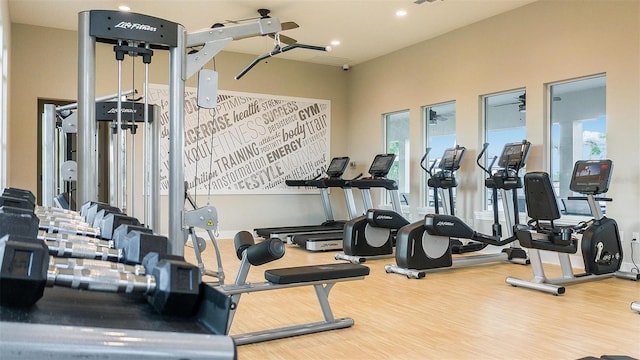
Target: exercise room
[279, 179]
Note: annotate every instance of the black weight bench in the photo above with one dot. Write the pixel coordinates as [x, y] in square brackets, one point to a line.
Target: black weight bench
[219, 308]
[325, 272]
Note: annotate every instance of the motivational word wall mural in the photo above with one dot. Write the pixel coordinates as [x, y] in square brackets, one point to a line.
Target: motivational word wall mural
[250, 143]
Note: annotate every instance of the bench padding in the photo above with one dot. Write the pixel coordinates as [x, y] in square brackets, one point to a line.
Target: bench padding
[315, 273]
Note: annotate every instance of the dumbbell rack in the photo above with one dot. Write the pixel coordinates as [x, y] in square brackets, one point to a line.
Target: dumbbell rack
[48, 323]
[100, 315]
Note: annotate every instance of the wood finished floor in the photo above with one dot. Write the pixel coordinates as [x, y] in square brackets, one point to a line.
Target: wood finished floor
[468, 313]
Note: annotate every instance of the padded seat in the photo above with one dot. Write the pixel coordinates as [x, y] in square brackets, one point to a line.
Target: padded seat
[542, 205]
[323, 272]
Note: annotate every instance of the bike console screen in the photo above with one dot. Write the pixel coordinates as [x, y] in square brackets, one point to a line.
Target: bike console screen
[452, 158]
[514, 155]
[591, 176]
[337, 166]
[381, 165]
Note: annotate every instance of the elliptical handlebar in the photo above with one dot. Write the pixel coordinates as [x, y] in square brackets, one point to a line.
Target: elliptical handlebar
[424, 158]
[485, 146]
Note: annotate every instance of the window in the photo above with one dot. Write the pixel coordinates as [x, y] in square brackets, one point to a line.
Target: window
[440, 134]
[397, 142]
[578, 132]
[505, 116]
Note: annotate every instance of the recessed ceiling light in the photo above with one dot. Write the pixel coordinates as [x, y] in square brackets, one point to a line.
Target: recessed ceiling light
[335, 42]
[401, 13]
[124, 8]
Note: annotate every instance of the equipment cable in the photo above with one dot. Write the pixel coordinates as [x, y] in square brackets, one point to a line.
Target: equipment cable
[116, 139]
[195, 175]
[211, 147]
[133, 133]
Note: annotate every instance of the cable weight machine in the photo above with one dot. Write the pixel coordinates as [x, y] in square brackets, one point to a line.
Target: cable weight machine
[147, 32]
[134, 34]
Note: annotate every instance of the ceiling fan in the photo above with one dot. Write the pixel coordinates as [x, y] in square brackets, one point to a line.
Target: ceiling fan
[522, 102]
[279, 39]
[264, 14]
[434, 117]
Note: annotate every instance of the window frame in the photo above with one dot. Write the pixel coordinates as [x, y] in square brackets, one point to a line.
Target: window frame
[560, 191]
[434, 155]
[403, 162]
[516, 103]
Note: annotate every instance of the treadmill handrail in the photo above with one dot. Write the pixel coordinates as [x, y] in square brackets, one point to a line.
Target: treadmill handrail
[368, 183]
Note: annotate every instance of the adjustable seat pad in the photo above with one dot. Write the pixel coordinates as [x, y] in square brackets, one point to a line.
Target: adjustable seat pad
[310, 273]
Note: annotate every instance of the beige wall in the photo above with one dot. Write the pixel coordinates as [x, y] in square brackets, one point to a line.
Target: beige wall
[44, 66]
[543, 42]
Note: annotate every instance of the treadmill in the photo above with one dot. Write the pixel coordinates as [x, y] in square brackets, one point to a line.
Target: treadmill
[379, 170]
[333, 179]
[334, 240]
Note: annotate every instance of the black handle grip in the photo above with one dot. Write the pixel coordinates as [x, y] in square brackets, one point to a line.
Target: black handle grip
[424, 157]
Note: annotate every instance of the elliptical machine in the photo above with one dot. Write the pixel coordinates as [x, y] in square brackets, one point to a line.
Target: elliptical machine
[445, 178]
[601, 247]
[425, 245]
[373, 234]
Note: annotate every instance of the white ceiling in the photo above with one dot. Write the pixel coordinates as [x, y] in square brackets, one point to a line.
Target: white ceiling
[366, 28]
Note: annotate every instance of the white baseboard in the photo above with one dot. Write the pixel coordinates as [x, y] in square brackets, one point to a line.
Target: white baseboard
[630, 267]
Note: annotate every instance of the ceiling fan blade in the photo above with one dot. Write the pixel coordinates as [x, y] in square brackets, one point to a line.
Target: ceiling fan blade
[511, 103]
[288, 25]
[287, 40]
[284, 39]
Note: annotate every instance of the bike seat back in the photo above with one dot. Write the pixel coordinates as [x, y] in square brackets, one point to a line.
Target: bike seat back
[541, 200]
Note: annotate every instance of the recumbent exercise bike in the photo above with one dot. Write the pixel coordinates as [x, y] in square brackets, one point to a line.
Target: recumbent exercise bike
[600, 245]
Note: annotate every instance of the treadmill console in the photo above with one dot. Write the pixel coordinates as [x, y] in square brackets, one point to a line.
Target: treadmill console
[337, 166]
[591, 177]
[335, 170]
[452, 158]
[381, 165]
[514, 155]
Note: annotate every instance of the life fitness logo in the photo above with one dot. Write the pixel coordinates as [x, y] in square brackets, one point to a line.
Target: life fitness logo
[444, 223]
[122, 110]
[135, 26]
